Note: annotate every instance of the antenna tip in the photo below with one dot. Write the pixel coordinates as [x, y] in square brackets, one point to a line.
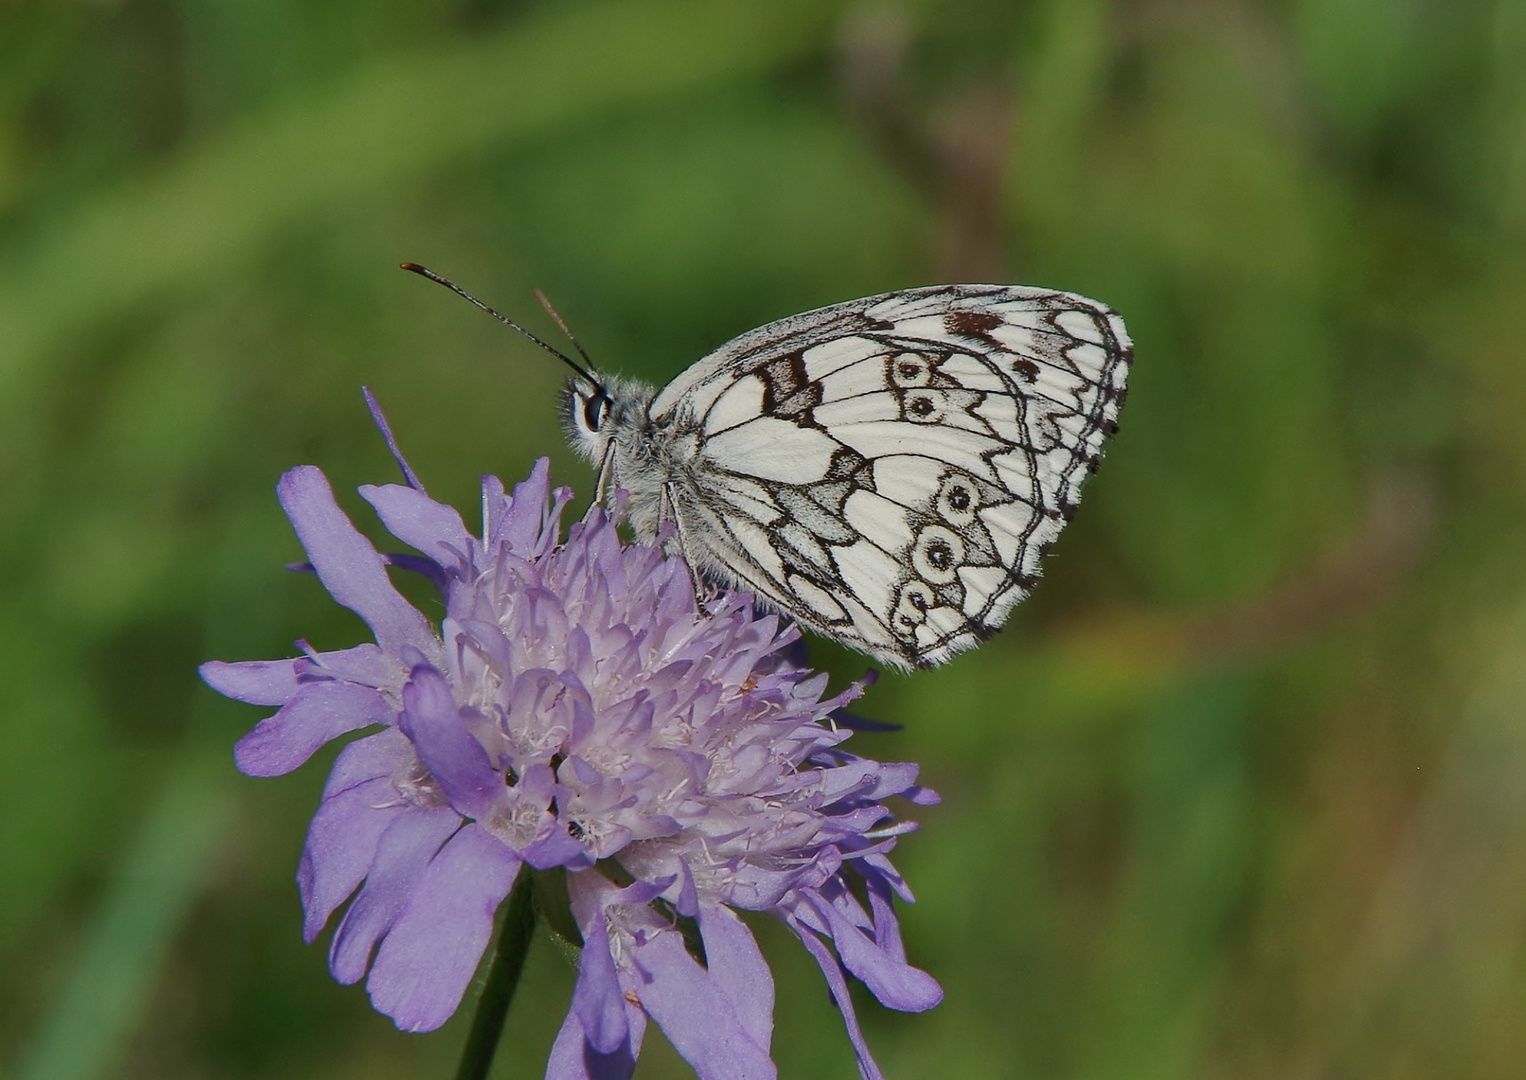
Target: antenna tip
[413, 267]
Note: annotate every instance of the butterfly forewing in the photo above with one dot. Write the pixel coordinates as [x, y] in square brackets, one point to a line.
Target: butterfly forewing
[889, 471]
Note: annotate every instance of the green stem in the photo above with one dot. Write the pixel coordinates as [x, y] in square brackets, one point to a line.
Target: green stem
[502, 980]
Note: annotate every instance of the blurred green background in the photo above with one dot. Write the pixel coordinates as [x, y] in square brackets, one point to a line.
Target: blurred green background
[1240, 793]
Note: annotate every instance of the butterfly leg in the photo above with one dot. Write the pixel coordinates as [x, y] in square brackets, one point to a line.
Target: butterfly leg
[668, 514]
[601, 486]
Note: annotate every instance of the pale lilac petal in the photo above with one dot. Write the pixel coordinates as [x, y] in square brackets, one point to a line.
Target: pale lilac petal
[380, 419]
[428, 958]
[404, 851]
[736, 964]
[387, 753]
[347, 564]
[364, 663]
[847, 779]
[887, 928]
[868, 779]
[838, 985]
[556, 848]
[881, 871]
[420, 522]
[696, 1015]
[341, 845]
[259, 682]
[453, 757]
[572, 1058]
[495, 505]
[597, 1000]
[521, 525]
[418, 564]
[895, 983]
[687, 903]
[760, 888]
[319, 712]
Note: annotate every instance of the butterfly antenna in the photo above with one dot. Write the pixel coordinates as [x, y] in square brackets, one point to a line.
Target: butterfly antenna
[424, 271]
[576, 344]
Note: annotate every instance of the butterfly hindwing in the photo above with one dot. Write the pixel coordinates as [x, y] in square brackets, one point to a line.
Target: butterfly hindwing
[890, 470]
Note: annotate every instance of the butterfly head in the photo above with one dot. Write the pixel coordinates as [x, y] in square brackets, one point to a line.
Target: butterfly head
[595, 413]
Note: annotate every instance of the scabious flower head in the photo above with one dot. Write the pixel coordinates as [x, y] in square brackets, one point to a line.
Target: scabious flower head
[578, 708]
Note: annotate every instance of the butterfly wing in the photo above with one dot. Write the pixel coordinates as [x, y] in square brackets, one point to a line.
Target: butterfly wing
[889, 471]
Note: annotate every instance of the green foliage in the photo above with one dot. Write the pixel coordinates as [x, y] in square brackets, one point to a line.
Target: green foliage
[1237, 793]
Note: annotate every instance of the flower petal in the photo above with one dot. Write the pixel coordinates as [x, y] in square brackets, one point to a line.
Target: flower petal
[349, 567]
[572, 1058]
[696, 1014]
[360, 799]
[838, 985]
[320, 711]
[736, 963]
[522, 524]
[387, 753]
[556, 848]
[597, 1000]
[341, 846]
[428, 957]
[453, 757]
[494, 505]
[364, 663]
[867, 779]
[259, 682]
[894, 982]
[418, 521]
[404, 851]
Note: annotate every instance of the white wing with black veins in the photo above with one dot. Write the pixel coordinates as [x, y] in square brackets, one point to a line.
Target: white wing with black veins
[889, 471]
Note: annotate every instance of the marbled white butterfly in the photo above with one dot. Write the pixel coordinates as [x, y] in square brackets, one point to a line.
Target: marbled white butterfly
[887, 472]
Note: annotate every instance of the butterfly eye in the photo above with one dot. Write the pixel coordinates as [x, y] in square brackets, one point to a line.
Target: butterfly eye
[596, 411]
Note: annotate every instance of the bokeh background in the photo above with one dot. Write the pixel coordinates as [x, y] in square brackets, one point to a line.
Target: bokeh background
[1240, 793]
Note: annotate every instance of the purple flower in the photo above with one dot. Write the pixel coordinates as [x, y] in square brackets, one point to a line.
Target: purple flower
[577, 708]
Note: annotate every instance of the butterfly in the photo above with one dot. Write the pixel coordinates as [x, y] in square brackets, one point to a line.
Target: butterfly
[888, 472]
